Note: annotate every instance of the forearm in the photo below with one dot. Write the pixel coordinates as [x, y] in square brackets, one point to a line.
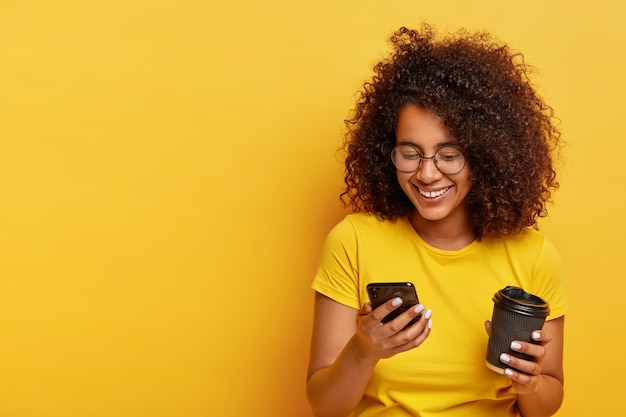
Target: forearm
[336, 390]
[545, 401]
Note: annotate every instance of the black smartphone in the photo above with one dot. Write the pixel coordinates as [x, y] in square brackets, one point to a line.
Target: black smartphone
[381, 292]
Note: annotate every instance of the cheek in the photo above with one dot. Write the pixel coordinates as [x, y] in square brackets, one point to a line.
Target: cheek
[468, 179]
[467, 184]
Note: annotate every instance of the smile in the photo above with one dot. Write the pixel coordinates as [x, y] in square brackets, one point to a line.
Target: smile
[434, 194]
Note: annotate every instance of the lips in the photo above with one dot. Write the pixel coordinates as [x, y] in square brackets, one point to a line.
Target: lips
[433, 194]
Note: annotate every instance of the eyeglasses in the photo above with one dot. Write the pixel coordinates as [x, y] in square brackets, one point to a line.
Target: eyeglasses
[449, 160]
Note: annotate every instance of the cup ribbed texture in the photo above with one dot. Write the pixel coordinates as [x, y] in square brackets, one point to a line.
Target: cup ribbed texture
[516, 314]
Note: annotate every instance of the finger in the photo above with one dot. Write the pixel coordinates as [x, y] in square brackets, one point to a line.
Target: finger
[521, 365]
[384, 309]
[414, 335]
[366, 309]
[541, 336]
[422, 323]
[404, 320]
[531, 349]
[488, 327]
[522, 383]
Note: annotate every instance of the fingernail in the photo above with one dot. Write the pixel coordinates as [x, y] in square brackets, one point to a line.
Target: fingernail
[508, 372]
[505, 358]
[430, 324]
[418, 308]
[536, 335]
[396, 301]
[428, 313]
[515, 346]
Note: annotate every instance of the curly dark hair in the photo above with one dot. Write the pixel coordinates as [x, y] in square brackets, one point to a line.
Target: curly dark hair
[482, 92]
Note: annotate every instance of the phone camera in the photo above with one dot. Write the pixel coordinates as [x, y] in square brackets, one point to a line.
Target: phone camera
[374, 293]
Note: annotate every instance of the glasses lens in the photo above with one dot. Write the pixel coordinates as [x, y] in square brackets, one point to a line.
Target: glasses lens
[450, 160]
[406, 158]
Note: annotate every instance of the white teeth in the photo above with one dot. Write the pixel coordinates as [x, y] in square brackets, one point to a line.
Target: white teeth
[433, 194]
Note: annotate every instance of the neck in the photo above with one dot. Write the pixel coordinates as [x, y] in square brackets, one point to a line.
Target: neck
[446, 234]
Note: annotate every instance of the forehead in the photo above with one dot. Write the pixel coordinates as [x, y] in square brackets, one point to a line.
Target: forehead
[422, 128]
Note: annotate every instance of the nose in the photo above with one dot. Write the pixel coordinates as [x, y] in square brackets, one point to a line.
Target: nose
[428, 171]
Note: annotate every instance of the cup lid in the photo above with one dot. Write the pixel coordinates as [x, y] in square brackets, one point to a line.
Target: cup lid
[519, 301]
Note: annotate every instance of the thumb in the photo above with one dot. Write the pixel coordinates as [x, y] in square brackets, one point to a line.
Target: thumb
[488, 327]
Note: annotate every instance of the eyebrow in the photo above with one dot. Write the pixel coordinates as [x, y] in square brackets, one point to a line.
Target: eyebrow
[438, 145]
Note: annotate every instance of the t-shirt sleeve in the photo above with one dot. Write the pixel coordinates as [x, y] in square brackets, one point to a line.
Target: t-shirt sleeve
[550, 280]
[337, 275]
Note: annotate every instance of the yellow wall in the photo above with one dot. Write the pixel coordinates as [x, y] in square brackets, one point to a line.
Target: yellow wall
[168, 174]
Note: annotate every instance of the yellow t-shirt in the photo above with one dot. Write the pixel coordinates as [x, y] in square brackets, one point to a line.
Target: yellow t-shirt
[446, 375]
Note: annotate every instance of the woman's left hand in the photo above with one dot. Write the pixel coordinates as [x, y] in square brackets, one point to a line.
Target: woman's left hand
[525, 375]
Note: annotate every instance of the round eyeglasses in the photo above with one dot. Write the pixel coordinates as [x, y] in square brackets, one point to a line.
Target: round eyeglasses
[449, 160]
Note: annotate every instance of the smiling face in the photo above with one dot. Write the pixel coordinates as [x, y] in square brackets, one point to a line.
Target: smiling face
[437, 197]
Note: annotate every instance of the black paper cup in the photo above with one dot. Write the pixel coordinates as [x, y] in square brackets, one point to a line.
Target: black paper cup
[516, 314]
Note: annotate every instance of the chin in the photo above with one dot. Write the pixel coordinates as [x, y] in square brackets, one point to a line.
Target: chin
[430, 216]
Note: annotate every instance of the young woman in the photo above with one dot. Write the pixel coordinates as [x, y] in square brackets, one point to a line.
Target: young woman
[449, 165]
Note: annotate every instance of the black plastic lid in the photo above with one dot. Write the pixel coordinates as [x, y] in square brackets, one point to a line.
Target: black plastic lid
[519, 301]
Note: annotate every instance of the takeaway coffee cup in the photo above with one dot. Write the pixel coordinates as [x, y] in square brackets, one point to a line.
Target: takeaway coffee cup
[516, 314]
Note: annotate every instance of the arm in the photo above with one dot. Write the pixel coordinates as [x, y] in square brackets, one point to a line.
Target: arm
[540, 384]
[346, 346]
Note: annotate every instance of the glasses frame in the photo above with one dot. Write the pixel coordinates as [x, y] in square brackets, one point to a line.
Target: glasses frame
[422, 158]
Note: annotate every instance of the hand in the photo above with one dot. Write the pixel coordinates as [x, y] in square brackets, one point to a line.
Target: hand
[525, 375]
[382, 340]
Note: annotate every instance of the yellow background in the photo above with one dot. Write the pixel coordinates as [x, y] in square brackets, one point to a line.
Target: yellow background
[168, 173]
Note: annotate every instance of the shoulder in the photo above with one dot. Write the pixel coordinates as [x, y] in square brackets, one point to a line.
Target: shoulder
[528, 242]
[364, 225]
[540, 266]
[530, 249]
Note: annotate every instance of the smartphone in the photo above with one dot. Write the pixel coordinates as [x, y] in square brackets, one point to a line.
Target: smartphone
[381, 292]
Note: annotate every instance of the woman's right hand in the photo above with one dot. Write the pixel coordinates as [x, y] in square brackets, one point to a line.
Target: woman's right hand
[346, 345]
[379, 340]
